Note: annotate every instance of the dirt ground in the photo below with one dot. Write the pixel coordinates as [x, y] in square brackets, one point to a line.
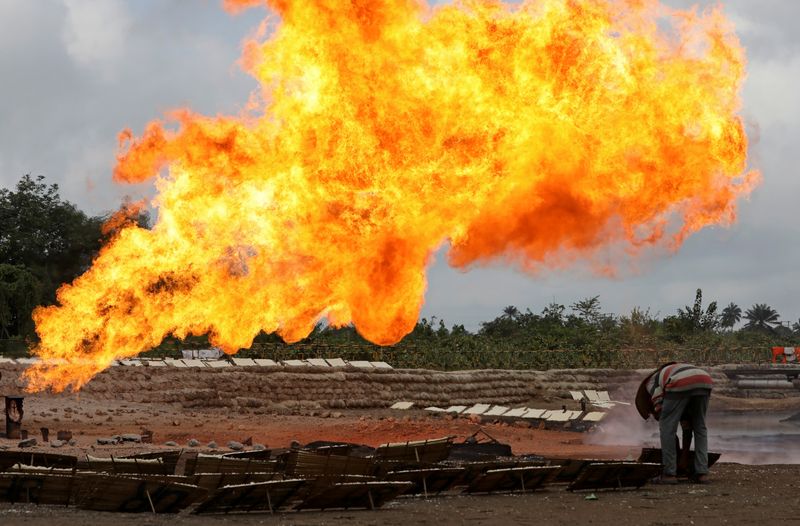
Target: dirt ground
[739, 494]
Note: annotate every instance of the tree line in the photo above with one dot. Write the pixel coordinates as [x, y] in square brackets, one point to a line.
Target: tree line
[46, 241]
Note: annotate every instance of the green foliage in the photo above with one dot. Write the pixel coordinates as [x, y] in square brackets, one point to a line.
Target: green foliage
[50, 237]
[761, 317]
[20, 292]
[731, 315]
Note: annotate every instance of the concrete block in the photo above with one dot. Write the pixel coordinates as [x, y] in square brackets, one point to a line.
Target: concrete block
[336, 362]
[516, 412]
[360, 364]
[594, 416]
[477, 409]
[497, 410]
[591, 395]
[559, 416]
[131, 363]
[217, 364]
[266, 362]
[403, 405]
[154, 363]
[317, 362]
[294, 363]
[381, 365]
[534, 413]
[194, 363]
[576, 395]
[458, 409]
[244, 362]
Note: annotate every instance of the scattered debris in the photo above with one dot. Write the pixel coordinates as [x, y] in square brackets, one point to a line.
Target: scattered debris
[29, 442]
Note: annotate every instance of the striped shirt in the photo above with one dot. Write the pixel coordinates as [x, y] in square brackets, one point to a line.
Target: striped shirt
[677, 379]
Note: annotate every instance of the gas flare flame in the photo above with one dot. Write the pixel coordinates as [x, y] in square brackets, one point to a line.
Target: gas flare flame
[536, 133]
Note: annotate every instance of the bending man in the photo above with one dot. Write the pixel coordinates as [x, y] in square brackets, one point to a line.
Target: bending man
[673, 392]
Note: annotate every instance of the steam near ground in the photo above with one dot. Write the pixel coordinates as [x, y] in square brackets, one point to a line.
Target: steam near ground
[753, 437]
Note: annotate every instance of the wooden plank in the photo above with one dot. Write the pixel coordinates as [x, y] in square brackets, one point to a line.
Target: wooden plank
[268, 496]
[614, 475]
[132, 495]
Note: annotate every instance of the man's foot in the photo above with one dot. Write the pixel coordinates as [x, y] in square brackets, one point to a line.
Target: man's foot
[665, 479]
[700, 479]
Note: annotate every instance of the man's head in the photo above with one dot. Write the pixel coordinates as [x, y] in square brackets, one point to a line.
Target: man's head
[643, 401]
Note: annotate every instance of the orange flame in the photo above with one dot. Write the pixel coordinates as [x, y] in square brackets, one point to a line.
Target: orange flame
[537, 133]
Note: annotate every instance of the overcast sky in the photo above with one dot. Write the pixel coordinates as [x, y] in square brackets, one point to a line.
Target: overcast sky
[76, 72]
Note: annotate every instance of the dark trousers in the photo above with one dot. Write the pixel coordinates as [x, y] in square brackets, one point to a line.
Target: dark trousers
[692, 408]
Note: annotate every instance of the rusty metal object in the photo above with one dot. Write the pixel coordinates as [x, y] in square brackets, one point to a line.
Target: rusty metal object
[14, 413]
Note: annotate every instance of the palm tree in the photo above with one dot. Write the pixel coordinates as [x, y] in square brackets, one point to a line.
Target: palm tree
[761, 317]
[511, 312]
[730, 316]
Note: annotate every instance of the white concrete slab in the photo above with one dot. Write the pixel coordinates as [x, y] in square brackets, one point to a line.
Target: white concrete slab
[266, 362]
[559, 416]
[3, 359]
[516, 412]
[294, 363]
[154, 363]
[129, 363]
[534, 413]
[361, 364]
[603, 405]
[546, 414]
[574, 415]
[177, 363]
[381, 365]
[402, 405]
[594, 416]
[194, 363]
[477, 409]
[218, 364]
[497, 410]
[576, 395]
[317, 362]
[591, 394]
[336, 362]
[434, 409]
[458, 409]
[603, 396]
[244, 362]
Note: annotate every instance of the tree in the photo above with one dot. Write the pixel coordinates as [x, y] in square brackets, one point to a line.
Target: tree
[553, 313]
[761, 317]
[19, 294]
[731, 315]
[694, 318]
[511, 312]
[50, 237]
[588, 309]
